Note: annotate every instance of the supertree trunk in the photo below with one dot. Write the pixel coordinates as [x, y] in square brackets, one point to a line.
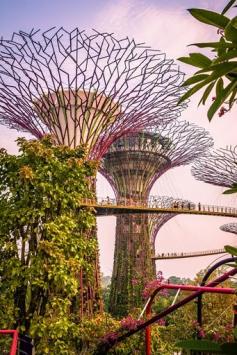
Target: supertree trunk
[132, 263]
[132, 165]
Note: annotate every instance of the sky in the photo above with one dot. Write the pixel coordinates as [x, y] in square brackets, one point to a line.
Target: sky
[163, 25]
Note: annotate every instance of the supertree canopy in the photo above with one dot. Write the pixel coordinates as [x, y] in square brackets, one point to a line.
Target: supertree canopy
[229, 227]
[134, 162]
[84, 88]
[219, 167]
[132, 165]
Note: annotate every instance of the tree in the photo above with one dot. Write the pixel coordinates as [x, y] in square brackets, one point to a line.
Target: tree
[217, 73]
[47, 250]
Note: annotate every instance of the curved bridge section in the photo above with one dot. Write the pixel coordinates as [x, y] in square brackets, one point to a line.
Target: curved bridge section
[165, 256]
[109, 206]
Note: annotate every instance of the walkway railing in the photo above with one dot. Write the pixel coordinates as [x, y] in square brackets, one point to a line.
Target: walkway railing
[156, 204]
[188, 255]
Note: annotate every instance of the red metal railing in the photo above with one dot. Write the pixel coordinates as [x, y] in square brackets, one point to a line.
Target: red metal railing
[197, 289]
[104, 348]
[14, 334]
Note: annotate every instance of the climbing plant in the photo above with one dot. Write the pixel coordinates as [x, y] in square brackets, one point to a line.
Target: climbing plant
[47, 245]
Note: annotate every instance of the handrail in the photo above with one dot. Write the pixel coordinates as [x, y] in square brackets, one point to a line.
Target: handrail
[188, 254]
[103, 348]
[157, 205]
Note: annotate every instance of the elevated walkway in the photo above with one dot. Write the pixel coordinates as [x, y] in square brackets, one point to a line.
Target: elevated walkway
[165, 256]
[108, 206]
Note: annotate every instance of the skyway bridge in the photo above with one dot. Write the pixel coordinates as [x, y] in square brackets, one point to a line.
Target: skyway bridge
[109, 206]
[165, 256]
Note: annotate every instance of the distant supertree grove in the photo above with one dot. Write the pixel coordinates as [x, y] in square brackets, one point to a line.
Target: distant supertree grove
[132, 165]
[84, 88]
[229, 227]
[219, 167]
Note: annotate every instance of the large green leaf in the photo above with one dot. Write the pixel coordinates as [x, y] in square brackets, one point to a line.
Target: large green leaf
[223, 68]
[231, 250]
[210, 17]
[192, 91]
[231, 30]
[219, 86]
[196, 59]
[220, 99]
[229, 55]
[217, 45]
[200, 345]
[206, 93]
[195, 79]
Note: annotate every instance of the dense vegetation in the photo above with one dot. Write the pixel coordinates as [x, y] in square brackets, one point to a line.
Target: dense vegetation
[47, 247]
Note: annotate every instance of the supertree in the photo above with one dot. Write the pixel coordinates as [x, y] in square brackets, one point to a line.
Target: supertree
[219, 167]
[229, 227]
[84, 89]
[132, 165]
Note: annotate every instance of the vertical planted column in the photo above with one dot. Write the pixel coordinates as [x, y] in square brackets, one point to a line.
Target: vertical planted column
[132, 165]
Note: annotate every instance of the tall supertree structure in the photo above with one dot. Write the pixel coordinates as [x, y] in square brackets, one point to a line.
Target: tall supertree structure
[132, 165]
[229, 227]
[84, 89]
[219, 167]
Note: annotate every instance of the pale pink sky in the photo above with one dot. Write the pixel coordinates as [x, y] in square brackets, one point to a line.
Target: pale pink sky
[164, 25]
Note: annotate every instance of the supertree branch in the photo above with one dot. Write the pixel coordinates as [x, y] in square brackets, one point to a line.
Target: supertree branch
[85, 88]
[219, 167]
[229, 227]
[157, 221]
[134, 162]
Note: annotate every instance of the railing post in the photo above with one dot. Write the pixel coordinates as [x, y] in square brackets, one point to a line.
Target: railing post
[148, 331]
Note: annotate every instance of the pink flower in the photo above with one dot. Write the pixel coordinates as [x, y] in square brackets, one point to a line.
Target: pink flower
[216, 336]
[130, 323]
[134, 282]
[201, 333]
[150, 288]
[161, 322]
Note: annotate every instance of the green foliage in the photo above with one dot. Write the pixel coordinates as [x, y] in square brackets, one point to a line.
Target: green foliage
[48, 248]
[206, 346]
[222, 66]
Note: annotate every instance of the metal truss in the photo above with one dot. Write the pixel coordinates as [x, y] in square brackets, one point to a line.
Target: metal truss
[157, 221]
[229, 227]
[219, 167]
[85, 88]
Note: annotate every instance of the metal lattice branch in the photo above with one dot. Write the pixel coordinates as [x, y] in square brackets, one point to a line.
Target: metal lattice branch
[157, 221]
[229, 227]
[134, 162]
[85, 88]
[219, 167]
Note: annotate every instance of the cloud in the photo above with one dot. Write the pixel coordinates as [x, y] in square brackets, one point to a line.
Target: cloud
[169, 30]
